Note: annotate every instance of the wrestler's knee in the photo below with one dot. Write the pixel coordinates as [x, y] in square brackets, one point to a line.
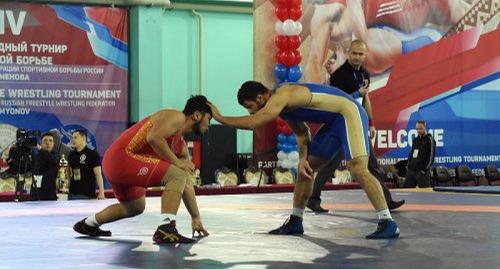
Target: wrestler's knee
[175, 179]
[358, 167]
[135, 208]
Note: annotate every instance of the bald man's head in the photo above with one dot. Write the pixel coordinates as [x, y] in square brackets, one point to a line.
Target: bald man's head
[357, 53]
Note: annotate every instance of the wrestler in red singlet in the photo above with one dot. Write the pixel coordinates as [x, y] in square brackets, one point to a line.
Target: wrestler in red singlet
[131, 165]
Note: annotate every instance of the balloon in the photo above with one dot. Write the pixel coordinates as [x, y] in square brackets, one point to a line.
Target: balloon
[297, 57]
[294, 3]
[282, 3]
[286, 57]
[292, 139]
[295, 147]
[294, 73]
[287, 130]
[280, 122]
[282, 155]
[280, 146]
[282, 42]
[279, 163]
[294, 13]
[294, 42]
[287, 164]
[297, 28]
[293, 156]
[282, 13]
[280, 71]
[287, 147]
[282, 138]
[278, 27]
[289, 27]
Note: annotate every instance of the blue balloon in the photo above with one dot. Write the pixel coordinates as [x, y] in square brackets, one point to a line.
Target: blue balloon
[282, 138]
[294, 73]
[287, 148]
[280, 146]
[281, 72]
[292, 139]
[295, 147]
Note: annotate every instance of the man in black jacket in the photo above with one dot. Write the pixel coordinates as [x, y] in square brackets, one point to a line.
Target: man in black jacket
[48, 166]
[420, 159]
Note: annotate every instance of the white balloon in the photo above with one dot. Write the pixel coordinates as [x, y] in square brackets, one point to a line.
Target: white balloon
[279, 163]
[278, 27]
[295, 164]
[293, 156]
[281, 155]
[286, 164]
[297, 28]
[289, 27]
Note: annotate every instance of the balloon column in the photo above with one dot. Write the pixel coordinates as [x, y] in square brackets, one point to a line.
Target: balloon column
[288, 28]
[288, 156]
[287, 69]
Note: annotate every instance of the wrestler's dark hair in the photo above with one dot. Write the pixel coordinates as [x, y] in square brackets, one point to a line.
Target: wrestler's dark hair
[197, 103]
[249, 91]
[421, 122]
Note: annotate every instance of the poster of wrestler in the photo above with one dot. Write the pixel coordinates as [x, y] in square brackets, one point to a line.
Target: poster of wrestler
[428, 59]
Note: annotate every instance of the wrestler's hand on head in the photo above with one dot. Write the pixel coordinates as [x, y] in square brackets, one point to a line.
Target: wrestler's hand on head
[215, 112]
[305, 169]
[198, 227]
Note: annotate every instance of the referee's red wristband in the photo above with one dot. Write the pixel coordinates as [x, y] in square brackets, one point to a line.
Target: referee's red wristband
[370, 122]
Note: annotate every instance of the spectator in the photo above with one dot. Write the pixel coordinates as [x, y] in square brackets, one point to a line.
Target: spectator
[85, 169]
[420, 159]
[48, 166]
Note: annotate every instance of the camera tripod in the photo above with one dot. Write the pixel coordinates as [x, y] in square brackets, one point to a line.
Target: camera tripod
[25, 158]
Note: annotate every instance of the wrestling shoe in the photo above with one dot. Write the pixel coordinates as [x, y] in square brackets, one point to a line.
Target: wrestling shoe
[292, 226]
[83, 228]
[167, 234]
[316, 208]
[394, 205]
[386, 229]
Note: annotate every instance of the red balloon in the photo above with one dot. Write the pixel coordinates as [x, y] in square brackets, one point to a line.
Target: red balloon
[280, 122]
[294, 3]
[287, 58]
[294, 42]
[282, 3]
[280, 55]
[295, 13]
[282, 13]
[297, 58]
[281, 42]
[287, 130]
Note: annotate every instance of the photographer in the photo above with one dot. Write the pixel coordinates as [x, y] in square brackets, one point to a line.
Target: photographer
[48, 166]
[85, 169]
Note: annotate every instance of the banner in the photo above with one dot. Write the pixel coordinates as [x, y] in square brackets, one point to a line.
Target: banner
[63, 67]
[435, 60]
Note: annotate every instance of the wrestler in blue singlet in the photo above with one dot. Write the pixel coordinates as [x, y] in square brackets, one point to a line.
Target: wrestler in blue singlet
[345, 122]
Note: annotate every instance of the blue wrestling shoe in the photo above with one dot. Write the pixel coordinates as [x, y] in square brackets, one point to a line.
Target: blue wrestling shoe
[292, 226]
[386, 229]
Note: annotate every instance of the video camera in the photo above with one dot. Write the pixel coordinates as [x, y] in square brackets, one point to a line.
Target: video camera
[27, 139]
